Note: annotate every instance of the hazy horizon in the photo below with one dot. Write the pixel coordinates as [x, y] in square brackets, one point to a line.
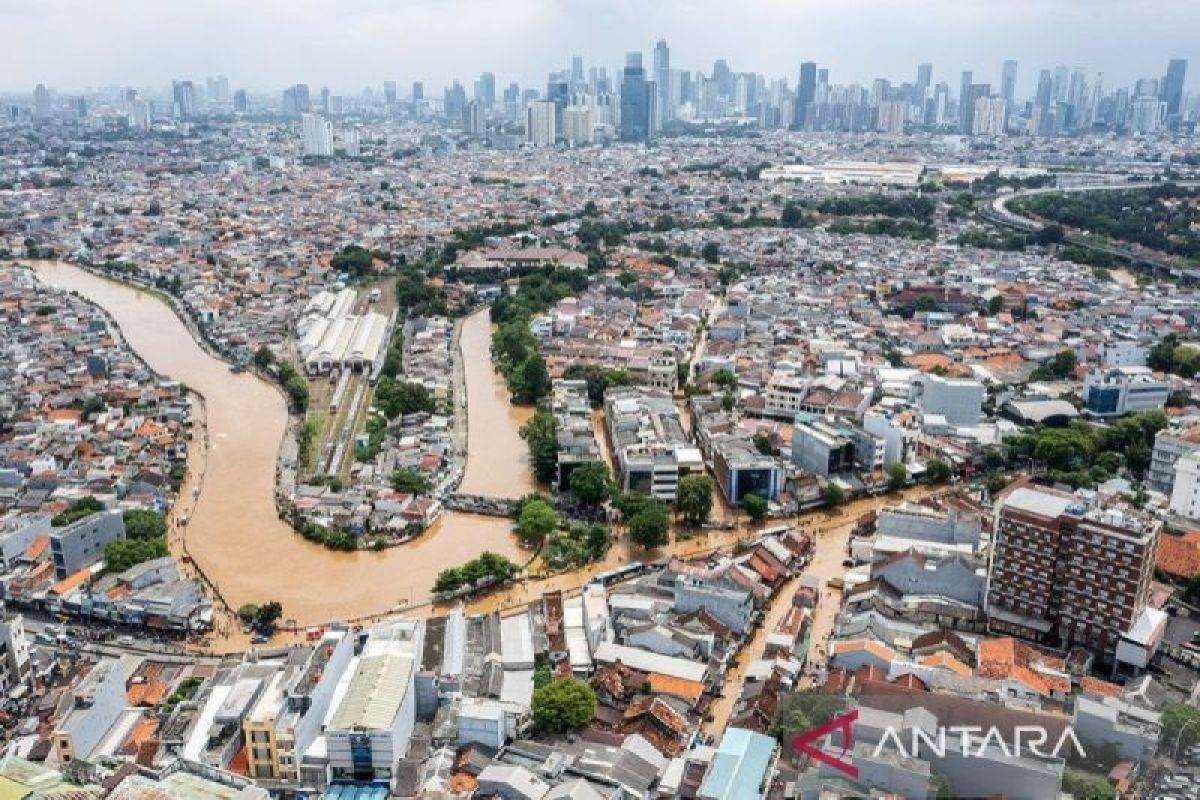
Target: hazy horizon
[70, 45]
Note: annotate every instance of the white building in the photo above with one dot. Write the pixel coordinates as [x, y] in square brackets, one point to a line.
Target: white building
[579, 123]
[375, 705]
[1185, 496]
[1124, 390]
[317, 135]
[539, 123]
[14, 655]
[959, 400]
[990, 116]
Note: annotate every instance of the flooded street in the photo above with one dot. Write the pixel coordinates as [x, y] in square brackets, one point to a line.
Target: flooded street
[235, 535]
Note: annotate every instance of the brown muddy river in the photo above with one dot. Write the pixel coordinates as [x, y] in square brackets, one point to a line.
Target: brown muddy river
[235, 535]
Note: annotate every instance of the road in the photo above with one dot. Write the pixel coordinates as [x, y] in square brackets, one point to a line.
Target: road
[830, 543]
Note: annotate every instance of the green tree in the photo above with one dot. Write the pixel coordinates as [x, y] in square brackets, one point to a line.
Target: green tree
[121, 554]
[563, 705]
[725, 379]
[540, 433]
[834, 494]
[711, 252]
[535, 380]
[996, 305]
[762, 443]
[263, 357]
[996, 484]
[897, 476]
[83, 507]
[538, 519]
[926, 303]
[630, 503]
[410, 482]
[1183, 721]
[694, 498]
[805, 709]
[396, 398]
[939, 470]
[590, 483]
[142, 523]
[755, 507]
[648, 527]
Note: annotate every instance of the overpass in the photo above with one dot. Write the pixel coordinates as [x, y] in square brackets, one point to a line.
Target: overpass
[998, 213]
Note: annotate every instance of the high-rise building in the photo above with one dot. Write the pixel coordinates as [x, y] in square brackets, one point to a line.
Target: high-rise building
[806, 92]
[352, 142]
[485, 90]
[1064, 575]
[577, 80]
[296, 100]
[579, 124]
[539, 123]
[662, 82]
[921, 88]
[1060, 84]
[473, 117]
[1172, 88]
[41, 102]
[454, 101]
[418, 91]
[1045, 90]
[389, 93]
[965, 101]
[1146, 114]
[635, 101]
[891, 116]
[317, 135]
[184, 95]
[989, 116]
[558, 91]
[1008, 82]
[966, 105]
[241, 102]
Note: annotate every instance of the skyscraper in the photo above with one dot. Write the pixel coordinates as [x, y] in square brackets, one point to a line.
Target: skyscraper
[241, 102]
[967, 105]
[921, 89]
[295, 100]
[1008, 82]
[806, 92]
[965, 101]
[41, 102]
[1172, 86]
[473, 118]
[389, 93]
[1045, 89]
[539, 123]
[662, 81]
[418, 91]
[577, 81]
[635, 101]
[317, 136]
[184, 95]
[485, 90]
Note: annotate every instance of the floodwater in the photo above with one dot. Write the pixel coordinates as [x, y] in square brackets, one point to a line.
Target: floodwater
[234, 534]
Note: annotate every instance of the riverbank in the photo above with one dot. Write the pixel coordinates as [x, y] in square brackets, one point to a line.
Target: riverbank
[235, 535]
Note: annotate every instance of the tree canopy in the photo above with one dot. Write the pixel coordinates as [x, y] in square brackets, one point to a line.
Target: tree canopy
[563, 705]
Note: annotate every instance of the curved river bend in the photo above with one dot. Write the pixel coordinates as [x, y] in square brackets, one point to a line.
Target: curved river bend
[235, 535]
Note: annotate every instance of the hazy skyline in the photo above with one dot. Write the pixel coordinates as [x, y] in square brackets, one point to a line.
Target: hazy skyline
[262, 46]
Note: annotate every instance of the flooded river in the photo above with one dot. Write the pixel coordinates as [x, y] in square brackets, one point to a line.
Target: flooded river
[235, 535]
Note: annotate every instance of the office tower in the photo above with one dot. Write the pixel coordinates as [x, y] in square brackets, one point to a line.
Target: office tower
[539, 123]
[1172, 87]
[317, 135]
[473, 117]
[822, 77]
[418, 91]
[389, 93]
[662, 81]
[577, 81]
[1066, 576]
[41, 102]
[1120, 109]
[1008, 82]
[891, 116]
[965, 100]
[806, 91]
[324, 100]
[184, 96]
[881, 89]
[722, 77]
[635, 101]
[1146, 113]
[241, 102]
[353, 143]
[296, 100]
[485, 90]
[512, 100]
[1045, 89]
[558, 91]
[941, 104]
[337, 104]
[579, 123]
[454, 101]
[989, 116]
[966, 105]
[921, 89]
[1060, 84]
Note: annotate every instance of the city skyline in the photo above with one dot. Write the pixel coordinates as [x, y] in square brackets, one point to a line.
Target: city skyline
[441, 43]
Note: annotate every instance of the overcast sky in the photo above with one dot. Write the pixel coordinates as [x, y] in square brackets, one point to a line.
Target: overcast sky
[349, 44]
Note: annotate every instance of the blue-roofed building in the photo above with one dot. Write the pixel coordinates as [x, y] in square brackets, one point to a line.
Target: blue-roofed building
[741, 768]
[357, 791]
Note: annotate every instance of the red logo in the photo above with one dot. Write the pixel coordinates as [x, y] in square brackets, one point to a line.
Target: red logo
[809, 742]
